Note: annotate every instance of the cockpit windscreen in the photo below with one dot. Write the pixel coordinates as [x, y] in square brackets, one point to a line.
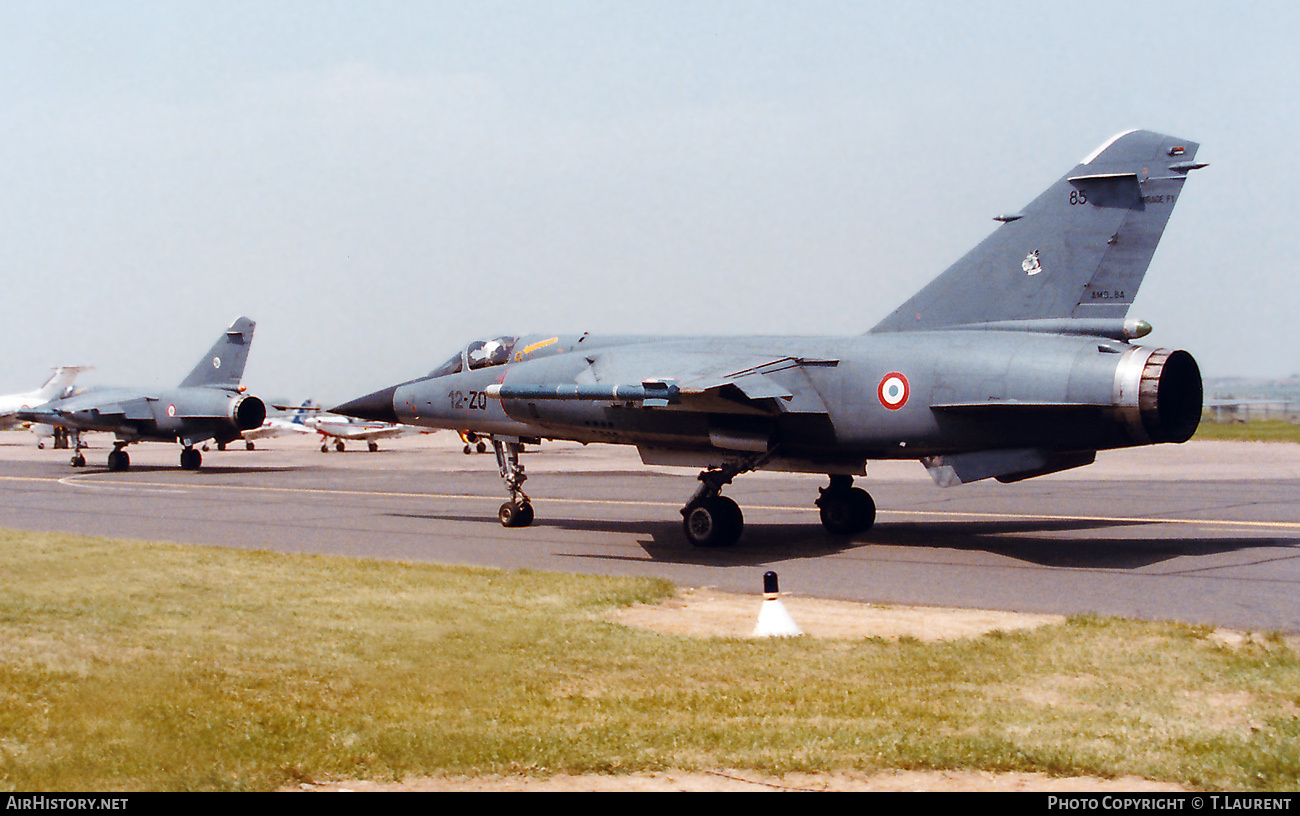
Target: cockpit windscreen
[479, 354]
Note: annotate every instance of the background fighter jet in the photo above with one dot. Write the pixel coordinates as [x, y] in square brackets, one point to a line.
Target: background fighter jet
[58, 385]
[208, 404]
[1013, 363]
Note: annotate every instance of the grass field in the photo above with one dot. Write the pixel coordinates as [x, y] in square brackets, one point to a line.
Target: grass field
[1259, 430]
[136, 666]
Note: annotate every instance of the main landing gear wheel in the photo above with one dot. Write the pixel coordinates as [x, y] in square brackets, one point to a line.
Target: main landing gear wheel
[710, 519]
[713, 521]
[845, 509]
[191, 459]
[118, 460]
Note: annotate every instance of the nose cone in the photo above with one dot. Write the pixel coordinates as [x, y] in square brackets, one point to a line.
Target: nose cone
[377, 407]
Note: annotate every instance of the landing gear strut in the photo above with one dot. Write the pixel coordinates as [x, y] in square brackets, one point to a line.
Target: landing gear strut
[78, 458]
[846, 509]
[710, 519]
[518, 512]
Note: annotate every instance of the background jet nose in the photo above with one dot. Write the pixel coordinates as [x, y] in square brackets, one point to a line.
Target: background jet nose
[377, 406]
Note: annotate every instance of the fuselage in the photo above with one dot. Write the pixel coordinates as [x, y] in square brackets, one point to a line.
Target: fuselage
[188, 414]
[830, 402]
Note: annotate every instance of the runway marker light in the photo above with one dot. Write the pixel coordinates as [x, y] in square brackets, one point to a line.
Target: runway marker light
[773, 619]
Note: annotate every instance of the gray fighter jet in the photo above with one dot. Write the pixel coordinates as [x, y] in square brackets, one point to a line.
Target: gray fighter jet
[210, 403]
[1015, 362]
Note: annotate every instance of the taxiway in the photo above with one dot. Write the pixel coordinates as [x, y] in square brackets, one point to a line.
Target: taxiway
[1206, 532]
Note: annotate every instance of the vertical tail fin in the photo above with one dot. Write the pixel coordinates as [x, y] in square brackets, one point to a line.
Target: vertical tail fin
[1079, 250]
[303, 411]
[60, 381]
[223, 365]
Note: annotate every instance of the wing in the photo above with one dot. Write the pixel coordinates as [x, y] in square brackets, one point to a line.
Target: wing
[371, 434]
[92, 411]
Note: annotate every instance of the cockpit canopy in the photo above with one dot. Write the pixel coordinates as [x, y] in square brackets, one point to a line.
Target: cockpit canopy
[479, 354]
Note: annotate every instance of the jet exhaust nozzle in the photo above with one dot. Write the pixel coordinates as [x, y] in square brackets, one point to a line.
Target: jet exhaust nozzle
[1159, 394]
[248, 412]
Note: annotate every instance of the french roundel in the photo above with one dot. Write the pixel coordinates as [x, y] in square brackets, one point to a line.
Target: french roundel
[893, 391]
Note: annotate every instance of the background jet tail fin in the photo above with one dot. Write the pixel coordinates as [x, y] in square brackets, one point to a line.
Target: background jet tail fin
[1079, 250]
[223, 365]
[303, 411]
[60, 381]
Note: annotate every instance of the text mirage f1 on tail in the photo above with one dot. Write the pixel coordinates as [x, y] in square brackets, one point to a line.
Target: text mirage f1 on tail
[1013, 363]
[210, 403]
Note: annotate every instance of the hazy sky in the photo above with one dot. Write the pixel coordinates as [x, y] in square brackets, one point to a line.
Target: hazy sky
[377, 183]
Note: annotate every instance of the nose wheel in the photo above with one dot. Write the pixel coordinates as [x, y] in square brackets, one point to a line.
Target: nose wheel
[78, 458]
[515, 514]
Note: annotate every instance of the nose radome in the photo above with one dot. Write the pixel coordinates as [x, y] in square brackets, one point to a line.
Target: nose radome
[377, 406]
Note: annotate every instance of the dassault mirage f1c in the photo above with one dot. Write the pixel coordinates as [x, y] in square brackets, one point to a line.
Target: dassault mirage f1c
[210, 403]
[1015, 362]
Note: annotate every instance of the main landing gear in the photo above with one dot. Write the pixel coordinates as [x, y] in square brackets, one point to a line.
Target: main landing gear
[846, 509]
[518, 512]
[118, 458]
[709, 519]
[713, 520]
[191, 459]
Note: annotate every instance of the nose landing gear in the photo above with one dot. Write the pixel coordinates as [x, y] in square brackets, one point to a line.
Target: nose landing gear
[518, 512]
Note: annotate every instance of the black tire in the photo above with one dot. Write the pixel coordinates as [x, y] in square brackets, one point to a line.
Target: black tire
[191, 459]
[515, 515]
[713, 522]
[118, 460]
[846, 512]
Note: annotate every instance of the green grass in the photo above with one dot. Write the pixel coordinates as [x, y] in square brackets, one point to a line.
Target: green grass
[134, 666]
[1258, 430]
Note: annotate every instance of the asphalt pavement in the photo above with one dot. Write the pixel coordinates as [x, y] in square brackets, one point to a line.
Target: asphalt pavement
[1205, 532]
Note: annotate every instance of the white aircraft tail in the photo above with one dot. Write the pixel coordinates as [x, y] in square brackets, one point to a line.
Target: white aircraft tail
[59, 382]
